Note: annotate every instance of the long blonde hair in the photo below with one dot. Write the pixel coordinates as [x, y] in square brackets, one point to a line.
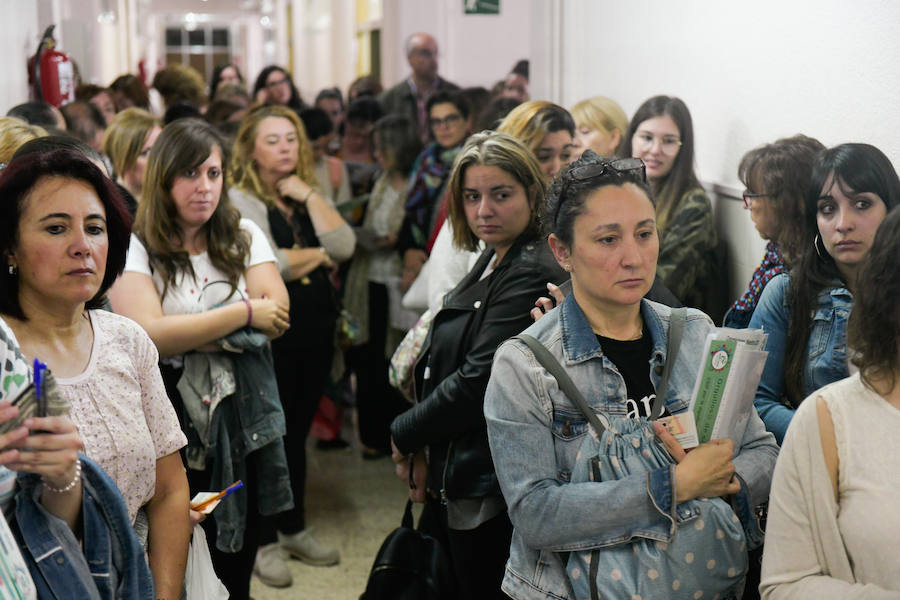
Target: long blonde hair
[244, 171]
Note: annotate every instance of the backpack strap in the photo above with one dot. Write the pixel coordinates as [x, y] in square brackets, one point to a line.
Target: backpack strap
[565, 382]
[676, 332]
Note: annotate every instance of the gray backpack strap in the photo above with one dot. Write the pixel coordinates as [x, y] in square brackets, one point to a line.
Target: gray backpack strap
[676, 332]
[565, 382]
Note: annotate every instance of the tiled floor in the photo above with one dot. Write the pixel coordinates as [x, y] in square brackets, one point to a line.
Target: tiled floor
[351, 504]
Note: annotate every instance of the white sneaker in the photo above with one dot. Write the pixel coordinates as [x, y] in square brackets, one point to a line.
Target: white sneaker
[270, 566]
[303, 546]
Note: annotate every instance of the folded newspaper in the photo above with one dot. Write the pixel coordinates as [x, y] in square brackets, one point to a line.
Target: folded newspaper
[722, 400]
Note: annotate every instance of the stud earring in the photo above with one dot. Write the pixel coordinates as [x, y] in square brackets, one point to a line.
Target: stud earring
[568, 268]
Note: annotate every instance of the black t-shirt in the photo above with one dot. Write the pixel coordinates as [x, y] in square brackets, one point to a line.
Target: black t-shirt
[632, 359]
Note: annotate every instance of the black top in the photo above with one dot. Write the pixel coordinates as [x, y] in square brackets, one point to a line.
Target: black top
[632, 359]
[313, 305]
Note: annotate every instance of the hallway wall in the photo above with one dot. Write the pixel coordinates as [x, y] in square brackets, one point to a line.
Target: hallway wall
[749, 72]
[473, 49]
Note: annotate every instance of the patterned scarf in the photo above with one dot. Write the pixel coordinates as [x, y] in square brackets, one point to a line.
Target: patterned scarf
[772, 264]
[429, 176]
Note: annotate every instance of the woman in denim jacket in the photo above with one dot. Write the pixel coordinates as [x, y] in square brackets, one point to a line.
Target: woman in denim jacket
[853, 187]
[613, 344]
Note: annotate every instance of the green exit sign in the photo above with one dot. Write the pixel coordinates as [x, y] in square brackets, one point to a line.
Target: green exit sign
[482, 7]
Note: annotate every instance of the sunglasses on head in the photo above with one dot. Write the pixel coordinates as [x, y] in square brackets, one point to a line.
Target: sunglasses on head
[587, 172]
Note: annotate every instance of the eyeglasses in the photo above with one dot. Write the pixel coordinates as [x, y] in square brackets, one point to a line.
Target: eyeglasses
[275, 84]
[448, 121]
[621, 165]
[749, 197]
[644, 140]
[424, 53]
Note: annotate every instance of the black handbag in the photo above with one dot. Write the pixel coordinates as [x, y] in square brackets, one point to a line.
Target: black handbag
[411, 565]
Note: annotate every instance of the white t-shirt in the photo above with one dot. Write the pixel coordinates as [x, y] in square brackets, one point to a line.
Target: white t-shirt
[211, 287]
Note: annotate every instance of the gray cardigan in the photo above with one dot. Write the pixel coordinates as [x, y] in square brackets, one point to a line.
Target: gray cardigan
[339, 242]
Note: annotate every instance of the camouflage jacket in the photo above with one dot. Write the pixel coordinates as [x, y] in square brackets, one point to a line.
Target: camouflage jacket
[686, 263]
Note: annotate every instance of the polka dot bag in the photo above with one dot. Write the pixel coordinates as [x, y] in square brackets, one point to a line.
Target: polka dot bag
[704, 554]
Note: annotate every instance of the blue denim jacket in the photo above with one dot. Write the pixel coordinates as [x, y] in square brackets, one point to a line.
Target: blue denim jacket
[109, 564]
[827, 348]
[535, 432]
[247, 434]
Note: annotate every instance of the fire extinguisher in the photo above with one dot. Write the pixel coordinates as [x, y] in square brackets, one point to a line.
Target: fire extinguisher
[51, 75]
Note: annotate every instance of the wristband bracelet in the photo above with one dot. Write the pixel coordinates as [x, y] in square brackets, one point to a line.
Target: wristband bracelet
[69, 485]
[308, 194]
[249, 311]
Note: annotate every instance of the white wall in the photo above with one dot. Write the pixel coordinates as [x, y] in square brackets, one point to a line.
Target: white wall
[19, 36]
[474, 50]
[749, 72]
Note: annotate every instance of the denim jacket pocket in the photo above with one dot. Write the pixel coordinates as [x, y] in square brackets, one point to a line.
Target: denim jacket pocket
[567, 428]
[827, 348]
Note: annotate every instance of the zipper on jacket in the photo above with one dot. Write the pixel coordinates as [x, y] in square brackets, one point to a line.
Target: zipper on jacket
[444, 498]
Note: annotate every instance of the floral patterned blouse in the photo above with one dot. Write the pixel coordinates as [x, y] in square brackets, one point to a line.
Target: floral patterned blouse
[121, 408]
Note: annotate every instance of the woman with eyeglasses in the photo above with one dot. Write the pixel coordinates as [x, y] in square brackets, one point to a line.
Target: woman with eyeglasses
[775, 178]
[662, 135]
[496, 196]
[274, 86]
[852, 188]
[613, 344]
[204, 284]
[448, 117]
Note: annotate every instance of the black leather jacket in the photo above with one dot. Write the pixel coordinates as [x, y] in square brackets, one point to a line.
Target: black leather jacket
[476, 317]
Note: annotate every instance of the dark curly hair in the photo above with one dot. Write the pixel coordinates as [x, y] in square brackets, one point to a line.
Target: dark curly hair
[16, 183]
[782, 171]
[568, 193]
[874, 326]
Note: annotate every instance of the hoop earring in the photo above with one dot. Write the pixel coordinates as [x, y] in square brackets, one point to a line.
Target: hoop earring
[13, 269]
[816, 246]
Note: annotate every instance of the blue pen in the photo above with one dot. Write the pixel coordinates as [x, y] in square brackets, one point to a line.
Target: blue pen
[39, 368]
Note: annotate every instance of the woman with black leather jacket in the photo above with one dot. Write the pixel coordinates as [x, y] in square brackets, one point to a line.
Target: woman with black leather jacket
[496, 193]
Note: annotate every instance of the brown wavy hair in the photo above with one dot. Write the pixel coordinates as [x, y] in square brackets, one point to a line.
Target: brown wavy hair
[782, 170]
[184, 145]
[874, 327]
[245, 173]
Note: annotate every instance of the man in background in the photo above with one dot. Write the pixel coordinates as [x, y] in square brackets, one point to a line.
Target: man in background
[410, 96]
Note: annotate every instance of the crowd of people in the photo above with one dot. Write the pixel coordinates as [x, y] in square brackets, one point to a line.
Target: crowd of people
[198, 265]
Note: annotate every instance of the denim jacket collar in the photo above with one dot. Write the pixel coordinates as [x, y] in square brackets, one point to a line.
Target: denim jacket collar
[580, 343]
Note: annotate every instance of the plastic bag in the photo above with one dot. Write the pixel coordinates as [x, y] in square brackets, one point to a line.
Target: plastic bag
[200, 581]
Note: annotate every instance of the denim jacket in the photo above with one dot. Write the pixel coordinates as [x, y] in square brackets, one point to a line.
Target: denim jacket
[535, 432]
[109, 563]
[827, 348]
[245, 433]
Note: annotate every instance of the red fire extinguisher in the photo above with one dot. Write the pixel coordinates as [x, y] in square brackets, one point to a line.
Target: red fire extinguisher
[51, 75]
